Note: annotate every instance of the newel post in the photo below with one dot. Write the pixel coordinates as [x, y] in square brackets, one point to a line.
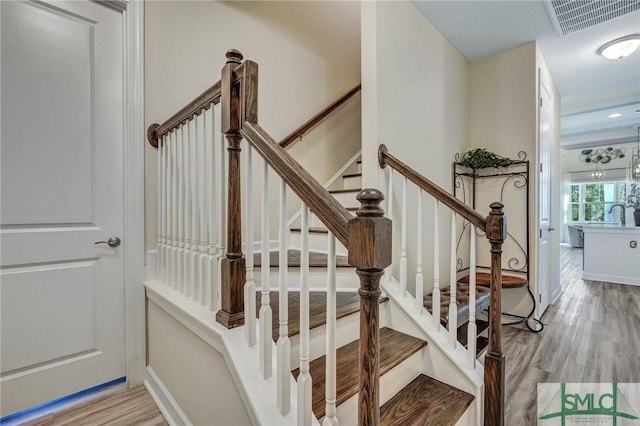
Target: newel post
[370, 252]
[494, 364]
[231, 313]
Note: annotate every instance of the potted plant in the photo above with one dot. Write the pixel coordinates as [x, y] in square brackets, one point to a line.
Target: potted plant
[633, 200]
[480, 158]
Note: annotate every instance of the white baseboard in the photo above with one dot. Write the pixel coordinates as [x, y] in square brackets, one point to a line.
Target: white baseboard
[168, 406]
[616, 279]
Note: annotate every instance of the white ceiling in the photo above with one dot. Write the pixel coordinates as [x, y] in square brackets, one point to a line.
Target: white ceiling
[591, 87]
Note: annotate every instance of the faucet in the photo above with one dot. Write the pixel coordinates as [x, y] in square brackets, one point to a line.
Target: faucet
[623, 211]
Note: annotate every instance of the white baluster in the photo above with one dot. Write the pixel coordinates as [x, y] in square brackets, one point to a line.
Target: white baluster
[170, 211]
[284, 345]
[265, 308]
[330, 365]
[389, 270]
[174, 210]
[167, 218]
[419, 277]
[453, 306]
[161, 209]
[194, 291]
[403, 240]
[436, 268]
[304, 378]
[222, 203]
[250, 286]
[213, 211]
[181, 197]
[203, 296]
[472, 331]
[188, 207]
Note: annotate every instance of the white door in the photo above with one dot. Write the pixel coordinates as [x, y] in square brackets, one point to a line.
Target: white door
[62, 296]
[544, 185]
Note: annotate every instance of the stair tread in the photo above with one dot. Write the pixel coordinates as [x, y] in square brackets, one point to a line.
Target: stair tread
[425, 401]
[342, 191]
[350, 175]
[395, 347]
[316, 260]
[347, 303]
[484, 279]
[312, 230]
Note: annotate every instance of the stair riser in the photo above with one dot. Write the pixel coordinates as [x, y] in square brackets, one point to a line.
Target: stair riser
[347, 199]
[346, 279]
[353, 182]
[317, 243]
[390, 384]
[317, 223]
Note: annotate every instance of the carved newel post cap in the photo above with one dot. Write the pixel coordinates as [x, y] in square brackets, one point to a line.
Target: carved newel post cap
[151, 135]
[370, 199]
[234, 56]
[496, 208]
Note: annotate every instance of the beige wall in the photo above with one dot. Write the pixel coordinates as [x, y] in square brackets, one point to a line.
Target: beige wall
[308, 54]
[504, 119]
[419, 83]
[195, 374]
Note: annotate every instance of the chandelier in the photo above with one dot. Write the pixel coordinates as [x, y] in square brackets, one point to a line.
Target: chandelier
[602, 156]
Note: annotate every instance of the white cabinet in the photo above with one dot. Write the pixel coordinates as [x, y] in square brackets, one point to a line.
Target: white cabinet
[612, 254]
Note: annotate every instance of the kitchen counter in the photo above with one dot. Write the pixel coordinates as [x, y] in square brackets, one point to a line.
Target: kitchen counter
[612, 253]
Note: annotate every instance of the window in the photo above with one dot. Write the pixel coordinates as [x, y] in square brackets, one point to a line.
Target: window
[591, 202]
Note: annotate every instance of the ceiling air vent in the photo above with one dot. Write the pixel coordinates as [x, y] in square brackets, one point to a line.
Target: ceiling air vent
[571, 16]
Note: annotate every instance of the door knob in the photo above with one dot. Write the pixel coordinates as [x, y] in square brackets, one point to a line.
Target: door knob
[111, 242]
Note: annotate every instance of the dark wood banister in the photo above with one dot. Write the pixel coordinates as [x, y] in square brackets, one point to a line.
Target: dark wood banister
[384, 159]
[193, 108]
[316, 119]
[212, 96]
[494, 226]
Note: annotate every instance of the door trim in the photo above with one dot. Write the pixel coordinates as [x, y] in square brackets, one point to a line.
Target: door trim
[134, 138]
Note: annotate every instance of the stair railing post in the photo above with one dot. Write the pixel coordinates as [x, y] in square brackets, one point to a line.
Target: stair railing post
[231, 313]
[370, 252]
[494, 366]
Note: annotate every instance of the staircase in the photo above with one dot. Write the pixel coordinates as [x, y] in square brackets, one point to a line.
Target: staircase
[389, 353]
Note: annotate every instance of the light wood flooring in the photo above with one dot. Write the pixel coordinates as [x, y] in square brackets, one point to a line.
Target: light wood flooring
[591, 334]
[124, 407]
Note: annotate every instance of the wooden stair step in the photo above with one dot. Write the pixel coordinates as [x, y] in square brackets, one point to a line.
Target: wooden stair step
[347, 303]
[425, 401]
[312, 230]
[342, 191]
[484, 279]
[350, 175]
[316, 260]
[462, 302]
[395, 347]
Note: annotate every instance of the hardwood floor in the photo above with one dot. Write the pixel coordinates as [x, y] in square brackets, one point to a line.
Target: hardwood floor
[123, 407]
[591, 334]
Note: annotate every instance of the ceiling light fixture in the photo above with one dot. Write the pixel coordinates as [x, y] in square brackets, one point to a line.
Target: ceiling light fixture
[621, 47]
[614, 115]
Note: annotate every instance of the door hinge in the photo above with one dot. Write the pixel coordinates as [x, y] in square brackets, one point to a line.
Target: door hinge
[540, 101]
[540, 167]
[539, 298]
[541, 233]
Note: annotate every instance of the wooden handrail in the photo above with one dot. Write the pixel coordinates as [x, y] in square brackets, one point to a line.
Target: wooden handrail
[316, 119]
[384, 159]
[193, 108]
[332, 214]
